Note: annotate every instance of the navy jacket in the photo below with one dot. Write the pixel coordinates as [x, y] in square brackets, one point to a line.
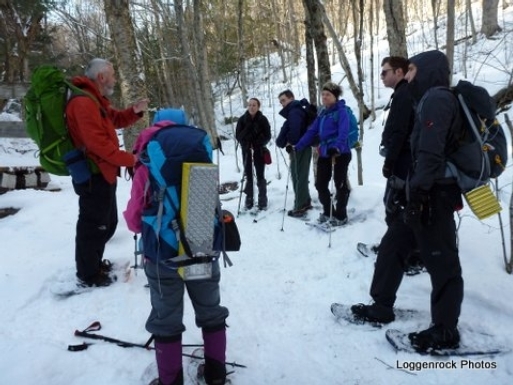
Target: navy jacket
[294, 126]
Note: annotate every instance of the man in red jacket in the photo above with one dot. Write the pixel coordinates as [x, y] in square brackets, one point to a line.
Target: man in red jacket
[92, 124]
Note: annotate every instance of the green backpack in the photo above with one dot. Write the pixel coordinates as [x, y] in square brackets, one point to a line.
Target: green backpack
[45, 116]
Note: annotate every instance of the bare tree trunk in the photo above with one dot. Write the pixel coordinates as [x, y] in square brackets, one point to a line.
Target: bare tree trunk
[471, 19]
[19, 32]
[358, 38]
[394, 17]
[278, 41]
[242, 60]
[320, 39]
[163, 65]
[449, 48]
[296, 55]
[490, 22]
[310, 60]
[371, 59]
[344, 62]
[436, 9]
[128, 60]
[203, 73]
[191, 70]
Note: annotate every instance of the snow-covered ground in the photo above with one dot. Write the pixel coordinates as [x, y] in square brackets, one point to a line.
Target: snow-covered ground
[279, 290]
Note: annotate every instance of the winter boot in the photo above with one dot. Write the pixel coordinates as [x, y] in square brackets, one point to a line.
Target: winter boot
[168, 351]
[373, 313]
[248, 190]
[434, 338]
[214, 340]
[262, 194]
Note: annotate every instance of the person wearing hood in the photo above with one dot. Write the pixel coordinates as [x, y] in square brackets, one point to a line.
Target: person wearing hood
[293, 128]
[253, 132]
[165, 321]
[92, 123]
[331, 130]
[433, 196]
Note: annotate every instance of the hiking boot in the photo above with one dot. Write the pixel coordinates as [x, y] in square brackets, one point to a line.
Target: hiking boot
[248, 204]
[99, 280]
[262, 203]
[338, 222]
[323, 218]
[106, 266]
[373, 313]
[435, 338]
[297, 213]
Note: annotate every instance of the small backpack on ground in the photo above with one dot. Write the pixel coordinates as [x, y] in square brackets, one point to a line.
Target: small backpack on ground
[182, 224]
[45, 120]
[310, 111]
[478, 149]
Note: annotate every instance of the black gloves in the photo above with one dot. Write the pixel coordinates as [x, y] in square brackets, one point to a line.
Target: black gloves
[417, 211]
[387, 170]
[333, 152]
[289, 148]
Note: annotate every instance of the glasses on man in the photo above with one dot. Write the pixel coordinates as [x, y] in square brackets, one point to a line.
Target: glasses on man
[384, 72]
[282, 101]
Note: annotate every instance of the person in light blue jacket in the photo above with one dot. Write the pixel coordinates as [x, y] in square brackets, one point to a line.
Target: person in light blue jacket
[331, 130]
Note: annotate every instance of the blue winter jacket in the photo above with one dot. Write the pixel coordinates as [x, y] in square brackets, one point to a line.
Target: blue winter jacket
[331, 128]
[293, 127]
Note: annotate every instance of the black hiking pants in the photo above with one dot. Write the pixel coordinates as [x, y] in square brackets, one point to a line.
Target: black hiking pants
[253, 158]
[96, 224]
[439, 252]
[393, 252]
[324, 171]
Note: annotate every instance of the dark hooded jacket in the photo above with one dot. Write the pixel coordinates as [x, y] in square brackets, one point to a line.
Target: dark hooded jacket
[294, 126]
[437, 111]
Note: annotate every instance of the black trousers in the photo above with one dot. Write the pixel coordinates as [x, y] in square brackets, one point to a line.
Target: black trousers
[437, 241]
[96, 224]
[253, 157]
[394, 249]
[324, 171]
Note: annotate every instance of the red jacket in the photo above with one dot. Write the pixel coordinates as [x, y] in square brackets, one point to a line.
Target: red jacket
[93, 126]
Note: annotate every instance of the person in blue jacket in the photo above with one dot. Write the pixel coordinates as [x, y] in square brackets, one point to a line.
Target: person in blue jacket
[331, 130]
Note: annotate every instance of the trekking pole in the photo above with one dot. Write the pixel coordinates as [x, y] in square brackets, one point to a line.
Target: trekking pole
[509, 267]
[95, 326]
[242, 184]
[332, 197]
[286, 189]
[137, 252]
[285, 203]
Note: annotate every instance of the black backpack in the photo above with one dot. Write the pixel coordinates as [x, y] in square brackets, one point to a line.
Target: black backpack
[310, 111]
[479, 149]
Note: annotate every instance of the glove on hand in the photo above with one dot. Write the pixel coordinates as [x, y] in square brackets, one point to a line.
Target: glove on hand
[333, 152]
[417, 210]
[387, 170]
[289, 148]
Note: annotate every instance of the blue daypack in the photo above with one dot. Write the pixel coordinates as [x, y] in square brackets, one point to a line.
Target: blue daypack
[164, 156]
[162, 227]
[354, 130]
